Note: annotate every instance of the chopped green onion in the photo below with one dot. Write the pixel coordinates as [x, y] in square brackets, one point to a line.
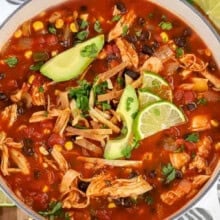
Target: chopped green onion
[97, 27]
[11, 61]
[166, 25]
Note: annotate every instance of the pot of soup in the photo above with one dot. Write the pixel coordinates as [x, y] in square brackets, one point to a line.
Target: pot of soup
[109, 109]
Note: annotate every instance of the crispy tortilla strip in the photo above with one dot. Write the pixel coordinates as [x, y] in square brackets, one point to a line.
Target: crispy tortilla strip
[105, 185]
[62, 99]
[115, 163]
[112, 72]
[10, 114]
[126, 21]
[20, 160]
[59, 158]
[212, 78]
[4, 160]
[38, 97]
[152, 64]
[88, 146]
[103, 120]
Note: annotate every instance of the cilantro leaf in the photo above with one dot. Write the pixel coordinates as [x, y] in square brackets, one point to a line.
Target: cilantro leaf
[202, 101]
[84, 24]
[116, 18]
[124, 30]
[36, 66]
[169, 172]
[194, 138]
[166, 25]
[82, 35]
[97, 27]
[11, 61]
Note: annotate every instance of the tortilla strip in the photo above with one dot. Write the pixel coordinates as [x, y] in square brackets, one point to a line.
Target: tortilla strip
[88, 146]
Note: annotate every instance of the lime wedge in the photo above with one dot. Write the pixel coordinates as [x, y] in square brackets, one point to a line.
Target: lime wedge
[146, 98]
[212, 9]
[157, 85]
[5, 201]
[156, 117]
[73, 62]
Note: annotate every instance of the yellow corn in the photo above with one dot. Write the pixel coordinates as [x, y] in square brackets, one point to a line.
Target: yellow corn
[214, 123]
[75, 15]
[59, 23]
[18, 33]
[28, 54]
[217, 146]
[84, 17]
[31, 79]
[208, 53]
[38, 25]
[101, 19]
[68, 145]
[47, 131]
[58, 147]
[43, 151]
[45, 189]
[164, 37]
[54, 53]
[73, 27]
[45, 165]
[111, 205]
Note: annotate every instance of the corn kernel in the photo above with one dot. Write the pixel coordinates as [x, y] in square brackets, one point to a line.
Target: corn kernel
[217, 146]
[43, 151]
[68, 145]
[84, 17]
[59, 23]
[54, 53]
[58, 147]
[38, 25]
[101, 19]
[18, 33]
[73, 27]
[111, 205]
[75, 14]
[164, 37]
[45, 165]
[47, 131]
[28, 54]
[208, 53]
[214, 123]
[31, 79]
[45, 189]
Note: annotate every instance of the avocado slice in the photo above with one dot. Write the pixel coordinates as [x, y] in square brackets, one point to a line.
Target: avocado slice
[74, 61]
[127, 108]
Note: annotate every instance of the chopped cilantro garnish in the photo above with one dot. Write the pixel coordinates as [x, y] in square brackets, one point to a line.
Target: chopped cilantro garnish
[97, 26]
[100, 88]
[36, 66]
[166, 25]
[128, 103]
[120, 81]
[52, 29]
[106, 106]
[194, 138]
[82, 35]
[202, 101]
[11, 61]
[124, 30]
[41, 89]
[84, 24]
[89, 51]
[179, 52]
[127, 151]
[149, 199]
[116, 18]
[150, 15]
[169, 172]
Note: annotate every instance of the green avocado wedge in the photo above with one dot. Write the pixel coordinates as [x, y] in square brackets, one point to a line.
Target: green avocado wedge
[127, 108]
[71, 63]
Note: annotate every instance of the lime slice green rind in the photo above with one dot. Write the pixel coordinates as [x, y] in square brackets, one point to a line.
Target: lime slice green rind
[5, 201]
[156, 117]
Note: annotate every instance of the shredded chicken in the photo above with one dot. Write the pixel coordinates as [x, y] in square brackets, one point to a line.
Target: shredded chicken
[38, 97]
[212, 78]
[200, 123]
[179, 160]
[204, 147]
[59, 158]
[4, 160]
[10, 114]
[62, 99]
[152, 64]
[20, 160]
[200, 164]
[128, 52]
[125, 22]
[105, 185]
[164, 53]
[181, 190]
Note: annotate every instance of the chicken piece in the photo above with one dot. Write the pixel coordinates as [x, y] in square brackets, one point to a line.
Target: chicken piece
[181, 190]
[164, 53]
[128, 53]
[125, 22]
[62, 99]
[152, 64]
[10, 114]
[62, 121]
[179, 160]
[37, 96]
[200, 123]
[59, 158]
[105, 185]
[204, 147]
[199, 180]
[200, 164]
[20, 160]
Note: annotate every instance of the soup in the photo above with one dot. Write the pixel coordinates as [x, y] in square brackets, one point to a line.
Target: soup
[107, 111]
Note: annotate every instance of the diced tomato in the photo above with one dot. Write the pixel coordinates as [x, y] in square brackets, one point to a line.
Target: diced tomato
[189, 97]
[178, 94]
[51, 39]
[190, 146]
[47, 124]
[55, 139]
[39, 40]
[40, 201]
[103, 214]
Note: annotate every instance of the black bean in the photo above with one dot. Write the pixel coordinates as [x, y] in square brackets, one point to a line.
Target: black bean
[191, 106]
[152, 174]
[212, 66]
[145, 35]
[134, 75]
[28, 147]
[155, 45]
[179, 174]
[3, 96]
[2, 76]
[83, 8]
[131, 38]
[124, 202]
[180, 41]
[187, 32]
[83, 185]
[37, 174]
[132, 174]
[147, 50]
[121, 7]
[141, 21]
[20, 110]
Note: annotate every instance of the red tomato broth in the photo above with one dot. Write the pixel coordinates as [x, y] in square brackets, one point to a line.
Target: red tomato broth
[31, 186]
